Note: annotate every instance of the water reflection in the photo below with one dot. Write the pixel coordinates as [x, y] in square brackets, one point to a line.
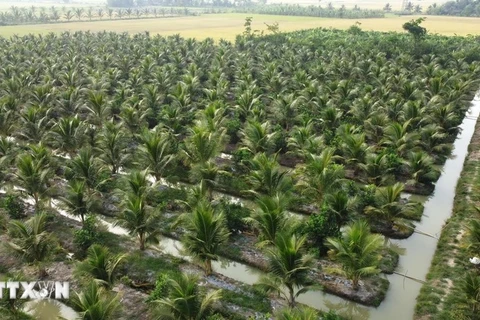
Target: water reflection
[49, 309]
[349, 310]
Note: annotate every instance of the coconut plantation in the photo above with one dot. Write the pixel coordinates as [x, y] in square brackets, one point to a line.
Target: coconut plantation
[302, 175]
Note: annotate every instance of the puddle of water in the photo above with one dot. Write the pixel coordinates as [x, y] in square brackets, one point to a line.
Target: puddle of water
[48, 309]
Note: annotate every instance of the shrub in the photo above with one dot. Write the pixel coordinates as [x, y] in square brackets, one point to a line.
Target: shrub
[233, 127]
[235, 215]
[86, 236]
[280, 140]
[161, 286]
[13, 206]
[167, 196]
[321, 226]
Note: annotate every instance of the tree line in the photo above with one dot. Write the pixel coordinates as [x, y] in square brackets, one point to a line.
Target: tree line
[464, 8]
[34, 15]
[314, 11]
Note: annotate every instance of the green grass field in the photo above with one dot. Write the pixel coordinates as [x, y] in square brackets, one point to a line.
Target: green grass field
[227, 26]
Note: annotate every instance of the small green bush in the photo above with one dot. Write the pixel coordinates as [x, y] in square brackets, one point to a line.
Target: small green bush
[321, 226]
[161, 285]
[235, 215]
[13, 206]
[86, 236]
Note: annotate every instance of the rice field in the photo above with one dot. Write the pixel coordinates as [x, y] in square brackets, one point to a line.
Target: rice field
[228, 25]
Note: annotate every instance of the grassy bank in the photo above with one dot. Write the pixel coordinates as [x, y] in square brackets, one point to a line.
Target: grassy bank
[441, 297]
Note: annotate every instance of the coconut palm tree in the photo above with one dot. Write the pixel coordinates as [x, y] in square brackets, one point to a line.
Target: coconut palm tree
[139, 219]
[299, 313]
[100, 265]
[112, 147]
[78, 201]
[267, 177]
[31, 241]
[8, 152]
[398, 138]
[95, 303]
[185, 300]
[474, 235]
[341, 204]
[97, 108]
[258, 137]
[304, 141]
[78, 13]
[357, 250]
[270, 218]
[320, 176]
[433, 140]
[34, 122]
[376, 169]
[288, 268]
[354, 150]
[421, 169]
[138, 183]
[201, 148]
[387, 205]
[205, 232]
[85, 167]
[156, 152]
[67, 135]
[285, 109]
[471, 289]
[33, 177]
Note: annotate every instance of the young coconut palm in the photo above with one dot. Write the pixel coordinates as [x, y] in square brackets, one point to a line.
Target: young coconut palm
[321, 176]
[304, 141]
[387, 205]
[420, 166]
[139, 219]
[31, 241]
[267, 177]
[33, 177]
[138, 183]
[185, 301]
[258, 137]
[96, 303]
[303, 313]
[156, 152]
[100, 265]
[471, 288]
[67, 135]
[85, 167]
[376, 169]
[201, 148]
[205, 232]
[288, 268]
[78, 201]
[474, 235]
[270, 218]
[112, 147]
[358, 251]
